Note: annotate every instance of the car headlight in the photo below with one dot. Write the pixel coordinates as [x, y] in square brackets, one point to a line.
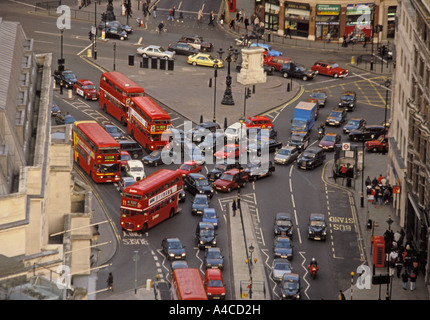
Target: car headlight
[183, 254]
[214, 242]
[172, 254]
[351, 104]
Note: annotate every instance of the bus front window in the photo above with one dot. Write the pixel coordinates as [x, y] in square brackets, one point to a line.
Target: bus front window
[108, 168]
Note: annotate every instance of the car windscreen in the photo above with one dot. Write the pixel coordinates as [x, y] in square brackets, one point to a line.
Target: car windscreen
[285, 152]
[227, 177]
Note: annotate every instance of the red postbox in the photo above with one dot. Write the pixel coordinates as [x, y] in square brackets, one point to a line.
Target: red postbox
[232, 5]
[379, 251]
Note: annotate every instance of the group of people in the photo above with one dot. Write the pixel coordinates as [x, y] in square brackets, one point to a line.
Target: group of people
[379, 190]
[402, 260]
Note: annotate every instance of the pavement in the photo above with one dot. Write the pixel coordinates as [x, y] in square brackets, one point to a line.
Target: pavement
[192, 103]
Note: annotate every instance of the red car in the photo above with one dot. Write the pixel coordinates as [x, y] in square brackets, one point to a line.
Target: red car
[276, 62]
[214, 284]
[125, 156]
[231, 179]
[86, 89]
[189, 167]
[329, 140]
[258, 122]
[378, 144]
[329, 68]
[229, 151]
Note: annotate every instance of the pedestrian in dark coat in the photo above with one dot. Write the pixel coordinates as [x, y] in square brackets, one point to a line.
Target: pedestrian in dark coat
[368, 181]
[232, 24]
[413, 275]
[399, 265]
[246, 21]
[234, 207]
[405, 279]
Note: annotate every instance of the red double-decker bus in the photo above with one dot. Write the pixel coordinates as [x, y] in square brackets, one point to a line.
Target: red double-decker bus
[116, 91]
[96, 152]
[151, 200]
[187, 284]
[146, 123]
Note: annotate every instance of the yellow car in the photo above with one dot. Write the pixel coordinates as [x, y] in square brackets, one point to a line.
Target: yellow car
[204, 59]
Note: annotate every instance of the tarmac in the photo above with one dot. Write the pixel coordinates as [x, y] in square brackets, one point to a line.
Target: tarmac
[193, 106]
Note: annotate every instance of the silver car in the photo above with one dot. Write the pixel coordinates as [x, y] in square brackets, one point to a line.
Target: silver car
[155, 51]
[279, 268]
[286, 155]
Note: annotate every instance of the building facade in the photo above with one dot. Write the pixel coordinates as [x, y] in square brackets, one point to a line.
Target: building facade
[409, 156]
[320, 20]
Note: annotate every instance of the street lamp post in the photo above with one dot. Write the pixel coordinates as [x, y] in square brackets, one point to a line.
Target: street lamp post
[231, 56]
[215, 76]
[95, 26]
[362, 178]
[387, 85]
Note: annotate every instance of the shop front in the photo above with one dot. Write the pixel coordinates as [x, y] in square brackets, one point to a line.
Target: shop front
[327, 24]
[359, 21]
[271, 15]
[297, 19]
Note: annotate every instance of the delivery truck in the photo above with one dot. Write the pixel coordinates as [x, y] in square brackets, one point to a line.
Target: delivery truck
[304, 116]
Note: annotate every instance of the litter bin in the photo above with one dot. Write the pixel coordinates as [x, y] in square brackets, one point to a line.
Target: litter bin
[163, 63]
[170, 64]
[154, 63]
[131, 59]
[145, 62]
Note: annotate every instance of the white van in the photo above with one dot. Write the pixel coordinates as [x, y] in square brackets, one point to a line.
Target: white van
[135, 169]
[235, 131]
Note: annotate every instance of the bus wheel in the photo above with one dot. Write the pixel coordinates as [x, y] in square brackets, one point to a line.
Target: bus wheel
[172, 213]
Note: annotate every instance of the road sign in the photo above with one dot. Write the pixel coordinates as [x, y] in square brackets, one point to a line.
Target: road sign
[346, 146]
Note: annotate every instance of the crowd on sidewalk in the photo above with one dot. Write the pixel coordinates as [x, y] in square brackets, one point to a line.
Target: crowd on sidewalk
[379, 190]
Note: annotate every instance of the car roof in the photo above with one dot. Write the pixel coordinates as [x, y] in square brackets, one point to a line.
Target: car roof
[291, 276]
[325, 61]
[232, 171]
[214, 272]
[317, 216]
[331, 134]
[208, 225]
[173, 239]
[198, 195]
[85, 81]
[214, 249]
[209, 209]
[283, 214]
[196, 175]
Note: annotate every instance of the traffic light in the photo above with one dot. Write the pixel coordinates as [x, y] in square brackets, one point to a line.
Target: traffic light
[248, 93]
[90, 35]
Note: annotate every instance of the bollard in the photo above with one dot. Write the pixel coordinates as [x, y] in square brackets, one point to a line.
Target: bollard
[170, 63]
[210, 82]
[154, 63]
[288, 87]
[89, 53]
[353, 60]
[148, 284]
[103, 35]
[131, 59]
[70, 93]
[163, 63]
[145, 62]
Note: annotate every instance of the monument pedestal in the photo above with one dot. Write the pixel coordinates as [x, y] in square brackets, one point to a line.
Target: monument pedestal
[252, 71]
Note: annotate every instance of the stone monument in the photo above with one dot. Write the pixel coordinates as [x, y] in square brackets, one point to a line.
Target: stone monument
[252, 71]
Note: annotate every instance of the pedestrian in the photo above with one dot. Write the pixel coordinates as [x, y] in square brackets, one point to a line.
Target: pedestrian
[341, 295]
[181, 16]
[413, 275]
[344, 43]
[380, 178]
[368, 181]
[242, 14]
[246, 22]
[154, 11]
[110, 282]
[328, 37]
[211, 19]
[79, 4]
[399, 265]
[234, 207]
[386, 195]
[405, 279]
[392, 262]
[170, 16]
[173, 13]
[199, 17]
[379, 193]
[374, 182]
[288, 31]
[237, 16]
[231, 26]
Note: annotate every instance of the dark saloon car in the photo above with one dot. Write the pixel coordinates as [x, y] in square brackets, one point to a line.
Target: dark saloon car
[290, 286]
[182, 48]
[320, 96]
[156, 157]
[354, 124]
[317, 227]
[283, 248]
[329, 140]
[336, 117]
[196, 183]
[347, 100]
[115, 24]
[214, 258]
[173, 248]
[283, 225]
[220, 168]
[311, 158]
[205, 235]
[199, 132]
[116, 33]
[296, 71]
[201, 201]
[366, 133]
[113, 130]
[286, 155]
[197, 42]
[259, 170]
[209, 215]
[259, 145]
[300, 140]
[212, 142]
[67, 77]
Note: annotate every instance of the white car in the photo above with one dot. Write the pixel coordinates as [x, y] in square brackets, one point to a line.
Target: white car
[135, 169]
[235, 131]
[155, 51]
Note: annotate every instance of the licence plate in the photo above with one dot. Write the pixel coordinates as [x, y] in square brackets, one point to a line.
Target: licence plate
[317, 238]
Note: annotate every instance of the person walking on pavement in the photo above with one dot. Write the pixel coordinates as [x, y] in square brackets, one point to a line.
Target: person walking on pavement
[234, 207]
[368, 181]
[199, 17]
[392, 262]
[413, 275]
[399, 265]
[405, 279]
[246, 22]
[211, 19]
[341, 295]
[170, 17]
[110, 282]
[154, 11]
[231, 26]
